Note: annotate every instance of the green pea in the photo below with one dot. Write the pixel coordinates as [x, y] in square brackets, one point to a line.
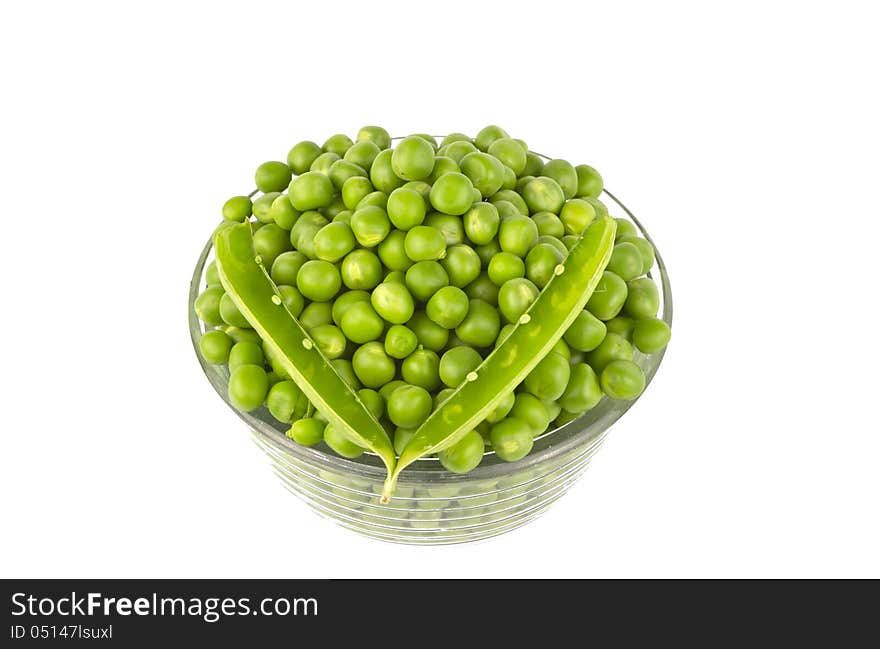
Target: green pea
[361, 269]
[515, 297]
[625, 228]
[483, 288]
[645, 249]
[626, 261]
[449, 226]
[370, 225]
[402, 437]
[543, 195]
[650, 335]
[429, 334]
[442, 166]
[425, 278]
[262, 207]
[272, 176]
[292, 299]
[342, 170]
[239, 334]
[608, 297]
[373, 402]
[286, 267]
[548, 224]
[422, 368]
[400, 341]
[506, 330]
[452, 193]
[553, 409]
[302, 229]
[457, 150]
[564, 174]
[307, 432]
[502, 408]
[406, 208]
[361, 324]
[345, 370]
[413, 158]
[489, 134]
[215, 346]
[583, 391]
[362, 153]
[447, 307]
[481, 223]
[237, 209]
[392, 251]
[386, 390]
[642, 299]
[480, 326]
[323, 163]
[207, 305]
[282, 401]
[510, 152]
[541, 263]
[269, 242]
[354, 190]
[506, 209]
[334, 241]
[382, 173]
[622, 380]
[393, 302]
[342, 303]
[465, 455]
[570, 241]
[424, 243]
[330, 340]
[511, 197]
[409, 406]
[318, 280]
[612, 348]
[442, 395]
[531, 410]
[310, 191]
[534, 165]
[375, 134]
[586, 332]
[622, 326]
[457, 363]
[373, 367]
[511, 439]
[505, 266]
[302, 155]
[395, 277]
[212, 275]
[509, 179]
[245, 353]
[338, 144]
[521, 183]
[247, 388]
[461, 264]
[486, 251]
[548, 379]
[576, 214]
[517, 234]
[230, 313]
[339, 443]
[589, 182]
[316, 314]
[485, 172]
[282, 212]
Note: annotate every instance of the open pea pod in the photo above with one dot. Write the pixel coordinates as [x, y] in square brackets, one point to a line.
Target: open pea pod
[537, 331]
[256, 296]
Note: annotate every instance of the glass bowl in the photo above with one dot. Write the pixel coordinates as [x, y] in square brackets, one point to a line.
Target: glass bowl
[432, 506]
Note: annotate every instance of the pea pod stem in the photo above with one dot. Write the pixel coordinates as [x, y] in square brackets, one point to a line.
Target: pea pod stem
[532, 338]
[254, 293]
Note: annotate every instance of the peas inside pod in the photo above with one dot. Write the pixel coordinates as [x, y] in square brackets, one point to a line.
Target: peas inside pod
[407, 299]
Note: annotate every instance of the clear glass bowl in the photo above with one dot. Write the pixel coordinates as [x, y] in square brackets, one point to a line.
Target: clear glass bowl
[432, 506]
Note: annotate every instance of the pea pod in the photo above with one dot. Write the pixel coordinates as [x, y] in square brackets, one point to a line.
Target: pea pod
[248, 284]
[532, 338]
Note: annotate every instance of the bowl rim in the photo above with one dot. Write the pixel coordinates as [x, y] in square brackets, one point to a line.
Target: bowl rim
[553, 444]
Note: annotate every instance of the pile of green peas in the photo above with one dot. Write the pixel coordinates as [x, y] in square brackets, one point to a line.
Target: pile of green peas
[407, 265]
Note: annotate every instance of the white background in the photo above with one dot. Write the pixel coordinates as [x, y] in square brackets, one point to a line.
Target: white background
[745, 135]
